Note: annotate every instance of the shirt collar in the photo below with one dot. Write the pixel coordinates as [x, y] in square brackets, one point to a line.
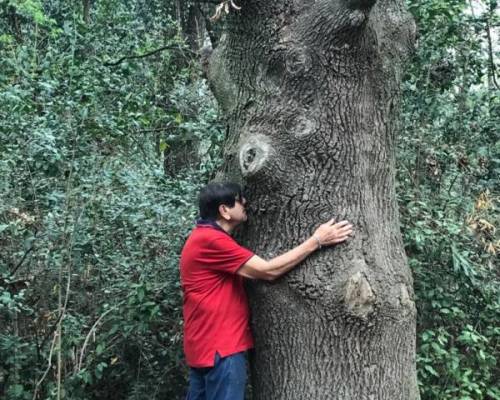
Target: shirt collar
[211, 223]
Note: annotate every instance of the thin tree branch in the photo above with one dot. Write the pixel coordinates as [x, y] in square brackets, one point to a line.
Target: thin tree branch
[37, 386]
[14, 270]
[490, 56]
[87, 338]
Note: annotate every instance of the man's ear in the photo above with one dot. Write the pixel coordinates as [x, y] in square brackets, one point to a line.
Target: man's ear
[223, 212]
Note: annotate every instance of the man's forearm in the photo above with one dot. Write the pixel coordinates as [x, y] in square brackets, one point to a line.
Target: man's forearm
[258, 268]
[327, 234]
[285, 262]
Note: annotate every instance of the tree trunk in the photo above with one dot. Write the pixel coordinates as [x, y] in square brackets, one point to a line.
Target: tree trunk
[194, 28]
[310, 89]
[86, 11]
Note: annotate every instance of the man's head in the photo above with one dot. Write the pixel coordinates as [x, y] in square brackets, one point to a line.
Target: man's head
[223, 201]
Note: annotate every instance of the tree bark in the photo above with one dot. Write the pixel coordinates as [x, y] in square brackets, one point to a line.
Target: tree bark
[310, 90]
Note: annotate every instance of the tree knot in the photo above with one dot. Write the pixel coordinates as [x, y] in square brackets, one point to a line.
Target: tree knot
[359, 296]
[254, 152]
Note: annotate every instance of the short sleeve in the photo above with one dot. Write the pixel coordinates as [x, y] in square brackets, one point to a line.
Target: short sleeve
[226, 255]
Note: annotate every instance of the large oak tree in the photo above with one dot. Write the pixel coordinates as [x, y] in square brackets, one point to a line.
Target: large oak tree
[310, 91]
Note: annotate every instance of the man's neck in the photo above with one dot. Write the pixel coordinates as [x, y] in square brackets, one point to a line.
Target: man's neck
[227, 226]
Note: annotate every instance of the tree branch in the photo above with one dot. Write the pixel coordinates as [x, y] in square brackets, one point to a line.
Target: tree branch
[26, 253]
[491, 58]
[87, 338]
[40, 381]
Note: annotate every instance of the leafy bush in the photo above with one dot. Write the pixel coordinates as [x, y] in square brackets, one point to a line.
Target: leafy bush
[448, 173]
[105, 140]
[90, 225]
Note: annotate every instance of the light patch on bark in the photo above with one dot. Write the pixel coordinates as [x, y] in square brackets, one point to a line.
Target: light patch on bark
[359, 296]
[254, 153]
[265, 84]
[357, 18]
[297, 61]
[405, 300]
[302, 126]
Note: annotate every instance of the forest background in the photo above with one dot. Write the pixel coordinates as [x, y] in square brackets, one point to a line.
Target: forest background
[107, 132]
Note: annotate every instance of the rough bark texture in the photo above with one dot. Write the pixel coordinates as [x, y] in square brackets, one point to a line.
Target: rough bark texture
[310, 90]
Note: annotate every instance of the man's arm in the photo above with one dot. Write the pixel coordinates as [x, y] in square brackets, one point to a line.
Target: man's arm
[326, 235]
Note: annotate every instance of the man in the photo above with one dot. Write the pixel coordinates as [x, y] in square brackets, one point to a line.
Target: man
[216, 314]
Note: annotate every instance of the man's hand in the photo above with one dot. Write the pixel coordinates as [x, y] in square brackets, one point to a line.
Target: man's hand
[331, 233]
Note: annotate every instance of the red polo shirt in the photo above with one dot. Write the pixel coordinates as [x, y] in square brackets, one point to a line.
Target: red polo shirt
[215, 308]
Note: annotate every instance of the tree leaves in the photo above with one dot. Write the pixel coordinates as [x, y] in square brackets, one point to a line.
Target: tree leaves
[86, 211]
[446, 175]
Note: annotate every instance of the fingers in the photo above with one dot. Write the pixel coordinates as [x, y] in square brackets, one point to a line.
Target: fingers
[340, 232]
[332, 233]
[345, 230]
[343, 233]
[330, 222]
[341, 224]
[343, 227]
[341, 239]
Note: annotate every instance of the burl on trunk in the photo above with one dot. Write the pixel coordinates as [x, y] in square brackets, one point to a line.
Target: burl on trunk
[310, 91]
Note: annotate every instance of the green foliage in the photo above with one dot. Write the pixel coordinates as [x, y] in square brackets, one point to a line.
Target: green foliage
[448, 177]
[104, 144]
[90, 225]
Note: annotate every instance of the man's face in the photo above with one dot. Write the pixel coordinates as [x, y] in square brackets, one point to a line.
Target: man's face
[235, 214]
[238, 212]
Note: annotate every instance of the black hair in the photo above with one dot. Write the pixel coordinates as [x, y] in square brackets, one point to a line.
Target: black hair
[215, 194]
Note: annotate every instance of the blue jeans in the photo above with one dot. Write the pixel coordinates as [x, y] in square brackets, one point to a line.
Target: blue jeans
[226, 380]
